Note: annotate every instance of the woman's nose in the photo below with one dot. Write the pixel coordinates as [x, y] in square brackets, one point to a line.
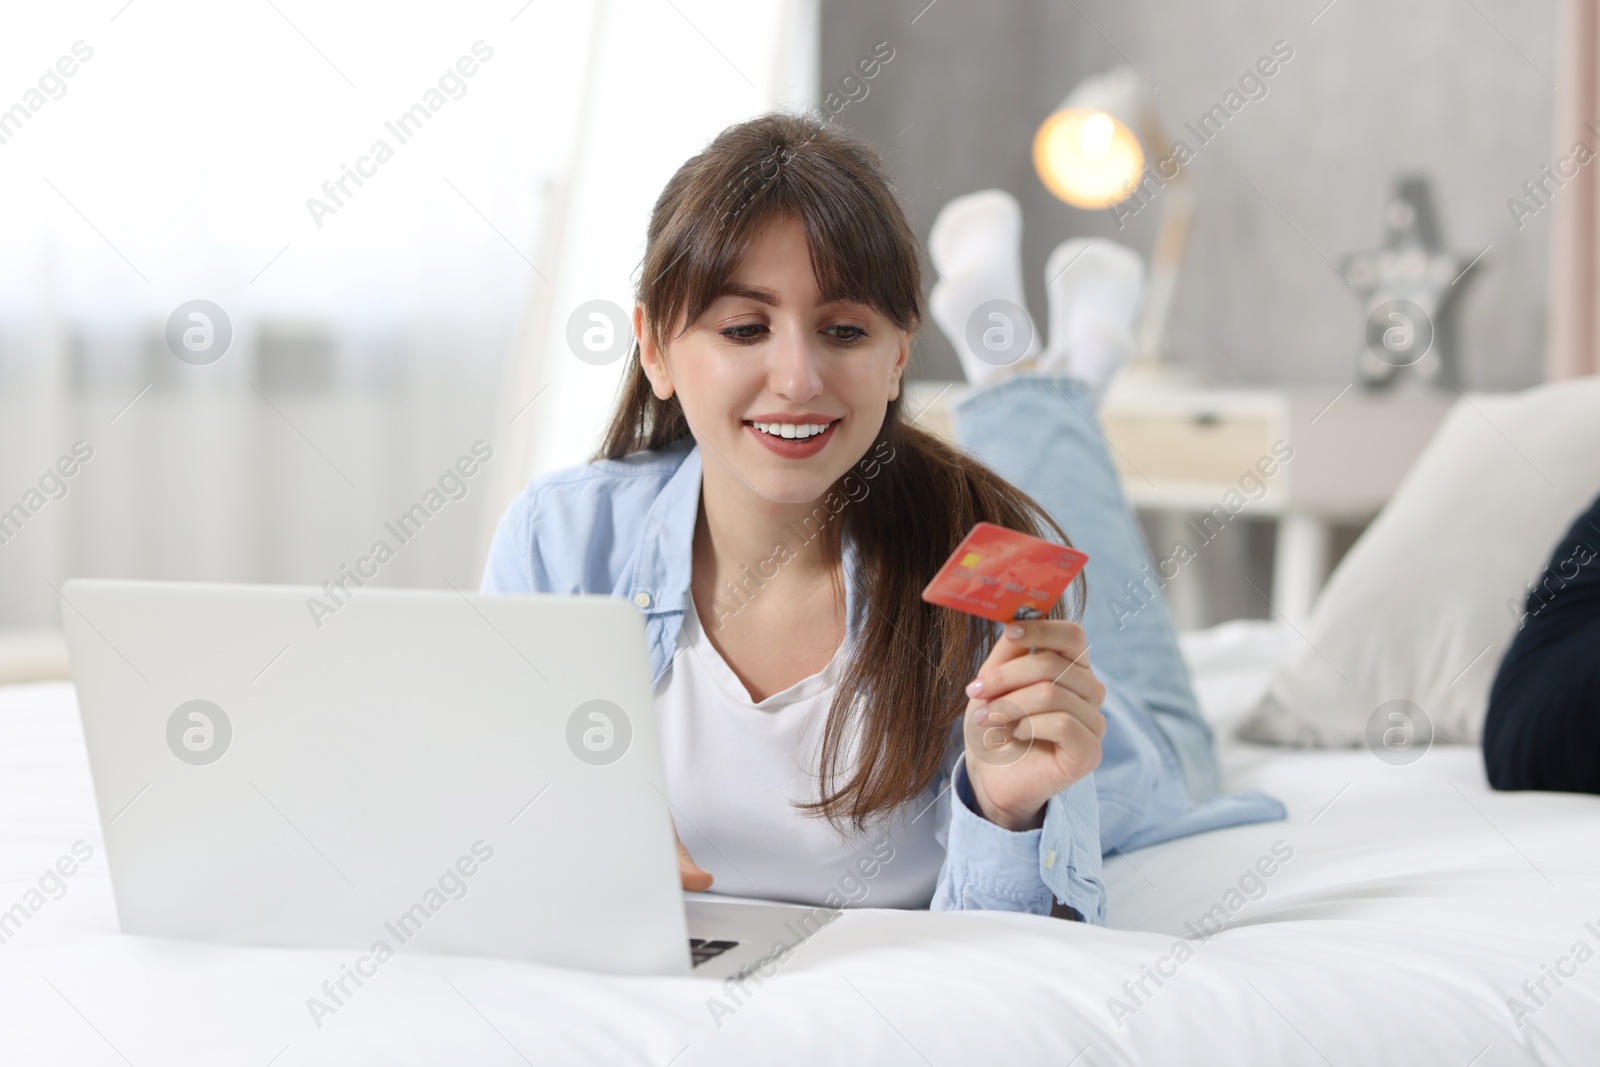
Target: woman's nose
[793, 371]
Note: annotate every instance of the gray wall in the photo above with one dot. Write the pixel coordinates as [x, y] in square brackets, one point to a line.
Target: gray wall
[1375, 88]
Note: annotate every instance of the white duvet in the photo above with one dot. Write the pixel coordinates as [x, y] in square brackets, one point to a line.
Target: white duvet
[1402, 914]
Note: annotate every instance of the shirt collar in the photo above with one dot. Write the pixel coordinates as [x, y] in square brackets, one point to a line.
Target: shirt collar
[661, 576]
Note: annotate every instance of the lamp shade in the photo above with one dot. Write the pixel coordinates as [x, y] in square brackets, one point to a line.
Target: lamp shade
[1091, 151]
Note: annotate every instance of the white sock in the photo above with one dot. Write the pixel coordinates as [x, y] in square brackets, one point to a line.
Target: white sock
[976, 246]
[1095, 288]
[1096, 349]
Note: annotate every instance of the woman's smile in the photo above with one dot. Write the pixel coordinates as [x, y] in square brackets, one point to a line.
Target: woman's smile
[793, 436]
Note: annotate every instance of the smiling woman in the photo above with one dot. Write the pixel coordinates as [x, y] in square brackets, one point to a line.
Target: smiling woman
[799, 313]
[834, 710]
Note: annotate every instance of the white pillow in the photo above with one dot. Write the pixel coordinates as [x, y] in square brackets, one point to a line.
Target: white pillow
[1428, 600]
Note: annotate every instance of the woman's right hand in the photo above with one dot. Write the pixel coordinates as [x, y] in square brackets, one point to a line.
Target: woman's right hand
[696, 879]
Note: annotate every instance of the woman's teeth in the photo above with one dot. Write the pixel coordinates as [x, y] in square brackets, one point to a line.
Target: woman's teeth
[789, 429]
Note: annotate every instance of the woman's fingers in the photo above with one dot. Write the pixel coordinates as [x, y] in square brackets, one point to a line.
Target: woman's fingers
[696, 879]
[1050, 651]
[1043, 699]
[1060, 727]
[1067, 732]
[1020, 638]
[1057, 635]
[1038, 686]
[994, 681]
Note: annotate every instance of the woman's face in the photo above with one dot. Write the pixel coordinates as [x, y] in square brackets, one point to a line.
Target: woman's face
[784, 394]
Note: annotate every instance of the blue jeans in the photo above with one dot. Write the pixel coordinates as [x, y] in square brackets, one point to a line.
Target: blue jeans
[1042, 434]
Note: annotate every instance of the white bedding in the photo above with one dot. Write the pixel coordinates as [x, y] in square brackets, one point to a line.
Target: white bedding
[1413, 903]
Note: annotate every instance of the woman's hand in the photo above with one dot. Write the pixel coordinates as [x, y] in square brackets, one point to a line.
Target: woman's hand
[696, 879]
[1033, 723]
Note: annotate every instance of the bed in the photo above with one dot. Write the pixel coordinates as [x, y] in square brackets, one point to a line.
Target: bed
[1404, 913]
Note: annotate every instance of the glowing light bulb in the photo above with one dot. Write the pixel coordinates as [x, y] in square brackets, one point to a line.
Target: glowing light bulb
[1087, 158]
[1095, 136]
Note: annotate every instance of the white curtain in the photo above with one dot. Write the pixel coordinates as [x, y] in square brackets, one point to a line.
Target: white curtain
[152, 154]
[662, 78]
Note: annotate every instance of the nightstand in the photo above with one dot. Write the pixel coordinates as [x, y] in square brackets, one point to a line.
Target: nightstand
[1308, 459]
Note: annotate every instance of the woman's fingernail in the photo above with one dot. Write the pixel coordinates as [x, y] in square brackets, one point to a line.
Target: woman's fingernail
[1014, 631]
[982, 717]
[975, 688]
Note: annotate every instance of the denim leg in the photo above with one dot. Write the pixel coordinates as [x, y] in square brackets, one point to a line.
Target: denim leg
[1042, 434]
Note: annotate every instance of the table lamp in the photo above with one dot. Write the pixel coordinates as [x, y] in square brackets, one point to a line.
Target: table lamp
[1104, 147]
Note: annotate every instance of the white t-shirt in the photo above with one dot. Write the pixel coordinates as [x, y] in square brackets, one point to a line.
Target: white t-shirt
[733, 768]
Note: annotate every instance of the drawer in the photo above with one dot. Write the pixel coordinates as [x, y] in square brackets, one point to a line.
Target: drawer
[1184, 446]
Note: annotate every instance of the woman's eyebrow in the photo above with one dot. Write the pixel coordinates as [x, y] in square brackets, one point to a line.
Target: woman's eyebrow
[762, 295]
[766, 296]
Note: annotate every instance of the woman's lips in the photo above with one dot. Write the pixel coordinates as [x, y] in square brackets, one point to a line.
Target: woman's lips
[794, 447]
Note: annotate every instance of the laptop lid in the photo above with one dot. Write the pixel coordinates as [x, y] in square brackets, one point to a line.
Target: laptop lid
[432, 770]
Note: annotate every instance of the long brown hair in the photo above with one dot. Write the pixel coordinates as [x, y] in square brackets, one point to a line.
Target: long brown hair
[911, 660]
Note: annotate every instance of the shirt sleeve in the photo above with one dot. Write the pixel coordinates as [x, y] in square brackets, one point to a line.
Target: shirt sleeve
[1040, 871]
[509, 568]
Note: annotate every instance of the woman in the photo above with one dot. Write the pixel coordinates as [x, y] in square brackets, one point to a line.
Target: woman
[762, 498]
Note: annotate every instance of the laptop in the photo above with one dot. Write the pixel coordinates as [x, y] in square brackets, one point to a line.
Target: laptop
[382, 771]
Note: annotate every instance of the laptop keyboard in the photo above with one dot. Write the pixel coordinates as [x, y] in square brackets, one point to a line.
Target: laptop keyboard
[701, 949]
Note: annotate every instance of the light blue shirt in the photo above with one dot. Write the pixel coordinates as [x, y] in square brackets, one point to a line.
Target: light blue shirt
[625, 528]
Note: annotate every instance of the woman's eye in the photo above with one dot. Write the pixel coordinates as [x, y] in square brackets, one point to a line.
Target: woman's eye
[744, 334]
[750, 332]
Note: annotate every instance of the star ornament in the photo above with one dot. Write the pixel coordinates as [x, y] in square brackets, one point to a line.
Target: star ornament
[1409, 287]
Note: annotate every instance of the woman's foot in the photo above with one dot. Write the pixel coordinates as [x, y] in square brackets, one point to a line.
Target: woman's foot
[976, 246]
[1095, 288]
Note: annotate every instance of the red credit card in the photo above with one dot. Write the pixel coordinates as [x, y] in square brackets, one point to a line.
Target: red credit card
[1000, 574]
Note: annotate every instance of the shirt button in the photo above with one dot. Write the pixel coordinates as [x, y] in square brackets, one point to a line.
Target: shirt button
[1049, 859]
[642, 600]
